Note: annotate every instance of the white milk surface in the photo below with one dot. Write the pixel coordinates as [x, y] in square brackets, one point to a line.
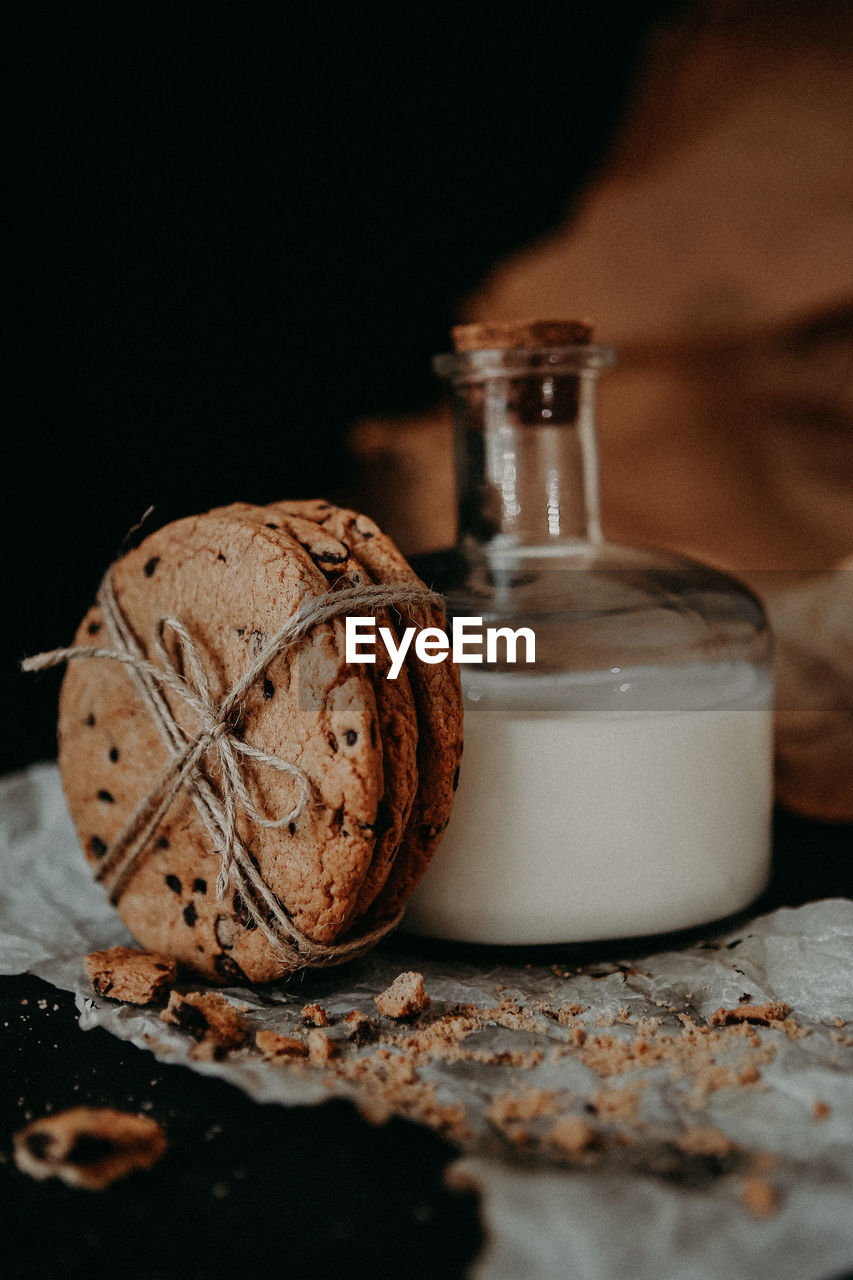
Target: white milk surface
[576, 825]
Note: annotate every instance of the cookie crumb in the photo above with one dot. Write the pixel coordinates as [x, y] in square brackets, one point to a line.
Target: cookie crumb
[359, 1027]
[697, 1140]
[764, 1014]
[571, 1135]
[405, 998]
[621, 1104]
[89, 1147]
[276, 1047]
[314, 1015]
[759, 1197]
[529, 1104]
[820, 1110]
[211, 1019]
[135, 976]
[321, 1047]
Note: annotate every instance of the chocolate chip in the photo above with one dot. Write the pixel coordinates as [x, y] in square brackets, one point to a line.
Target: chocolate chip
[222, 558]
[90, 1148]
[106, 796]
[333, 742]
[189, 1018]
[350, 737]
[114, 754]
[269, 525]
[39, 1144]
[291, 827]
[151, 565]
[97, 846]
[162, 842]
[337, 819]
[269, 688]
[94, 628]
[199, 885]
[90, 719]
[329, 557]
[190, 915]
[102, 985]
[229, 969]
[174, 883]
[456, 778]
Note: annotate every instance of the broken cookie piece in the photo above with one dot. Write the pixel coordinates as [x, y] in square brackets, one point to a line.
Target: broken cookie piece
[321, 1047]
[276, 1047]
[89, 1147]
[405, 998]
[314, 1015]
[211, 1019]
[360, 1030]
[126, 973]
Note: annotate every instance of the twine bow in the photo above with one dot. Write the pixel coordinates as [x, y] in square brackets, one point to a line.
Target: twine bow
[216, 743]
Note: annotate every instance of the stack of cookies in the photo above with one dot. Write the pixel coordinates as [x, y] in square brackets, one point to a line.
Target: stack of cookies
[381, 756]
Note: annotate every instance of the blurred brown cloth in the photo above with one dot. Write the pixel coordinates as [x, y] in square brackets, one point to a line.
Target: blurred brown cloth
[715, 251]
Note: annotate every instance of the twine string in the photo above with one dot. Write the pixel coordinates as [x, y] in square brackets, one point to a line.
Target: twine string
[216, 745]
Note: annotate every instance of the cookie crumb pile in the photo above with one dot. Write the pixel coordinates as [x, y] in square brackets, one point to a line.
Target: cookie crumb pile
[601, 1064]
[255, 835]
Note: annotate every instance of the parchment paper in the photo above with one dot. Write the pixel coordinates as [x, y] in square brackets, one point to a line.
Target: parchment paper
[637, 1203]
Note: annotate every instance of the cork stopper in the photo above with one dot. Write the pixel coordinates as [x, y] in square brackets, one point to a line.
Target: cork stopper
[513, 335]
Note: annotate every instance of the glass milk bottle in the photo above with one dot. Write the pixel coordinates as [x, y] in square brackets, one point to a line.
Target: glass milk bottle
[620, 784]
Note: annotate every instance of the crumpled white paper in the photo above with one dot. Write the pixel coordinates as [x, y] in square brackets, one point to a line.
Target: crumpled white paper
[646, 1209]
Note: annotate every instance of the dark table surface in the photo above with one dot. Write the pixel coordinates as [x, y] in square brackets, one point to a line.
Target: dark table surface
[303, 1191]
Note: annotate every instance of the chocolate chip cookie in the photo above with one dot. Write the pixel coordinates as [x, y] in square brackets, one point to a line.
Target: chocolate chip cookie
[436, 692]
[232, 583]
[396, 715]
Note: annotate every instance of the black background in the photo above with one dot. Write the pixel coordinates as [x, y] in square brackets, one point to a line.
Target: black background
[238, 228]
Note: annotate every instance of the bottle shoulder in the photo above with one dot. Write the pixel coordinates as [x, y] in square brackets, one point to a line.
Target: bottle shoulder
[602, 606]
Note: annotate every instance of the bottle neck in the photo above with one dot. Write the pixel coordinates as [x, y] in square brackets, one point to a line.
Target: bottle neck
[527, 465]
